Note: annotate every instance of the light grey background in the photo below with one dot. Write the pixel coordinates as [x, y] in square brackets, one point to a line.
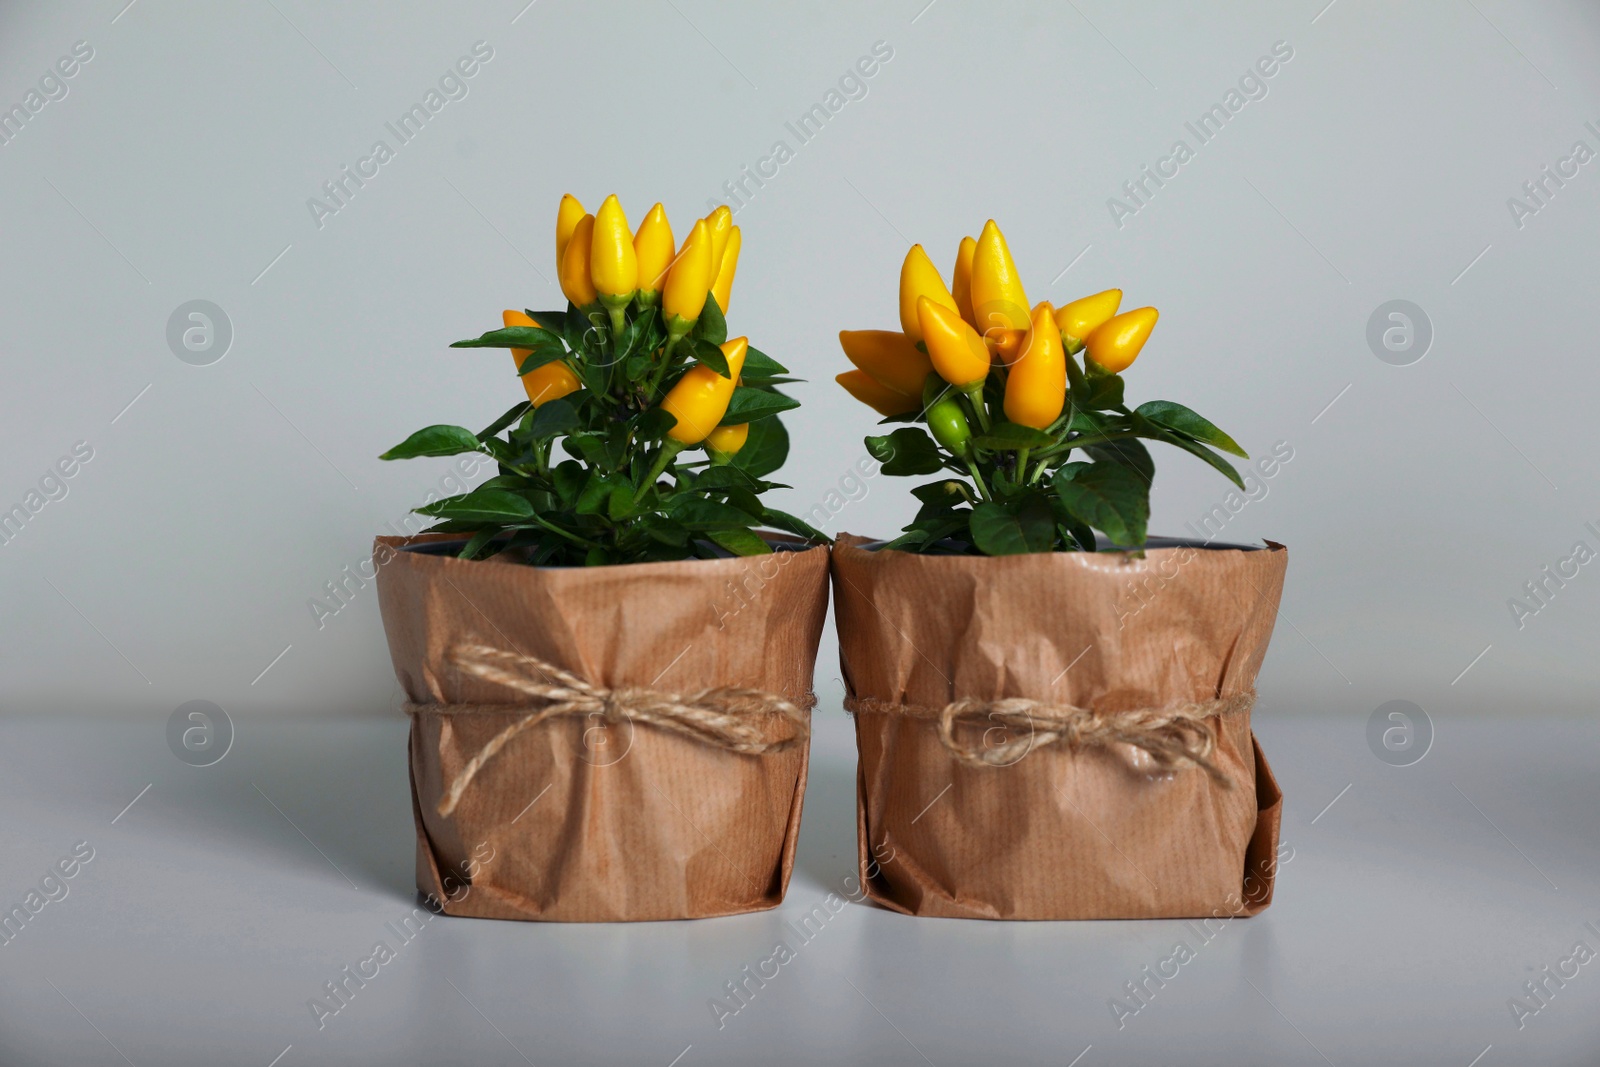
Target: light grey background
[1377, 167]
[220, 499]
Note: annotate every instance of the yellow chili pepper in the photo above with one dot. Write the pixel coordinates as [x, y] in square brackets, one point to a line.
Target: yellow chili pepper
[653, 246]
[920, 278]
[961, 281]
[722, 288]
[613, 264]
[720, 223]
[1079, 318]
[700, 398]
[688, 281]
[1036, 387]
[1005, 344]
[877, 396]
[576, 281]
[1115, 344]
[725, 441]
[998, 298]
[567, 216]
[549, 382]
[954, 347]
[889, 357]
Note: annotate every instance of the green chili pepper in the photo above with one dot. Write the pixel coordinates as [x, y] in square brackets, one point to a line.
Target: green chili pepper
[944, 417]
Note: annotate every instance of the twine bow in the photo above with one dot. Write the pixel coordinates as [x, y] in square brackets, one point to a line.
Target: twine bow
[748, 721]
[1172, 735]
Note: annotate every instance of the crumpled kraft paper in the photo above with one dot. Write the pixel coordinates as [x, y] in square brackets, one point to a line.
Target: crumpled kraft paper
[573, 821]
[1100, 833]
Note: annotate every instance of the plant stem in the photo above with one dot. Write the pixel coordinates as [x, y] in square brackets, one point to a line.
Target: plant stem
[975, 398]
[1022, 462]
[661, 368]
[669, 452]
[568, 534]
[983, 488]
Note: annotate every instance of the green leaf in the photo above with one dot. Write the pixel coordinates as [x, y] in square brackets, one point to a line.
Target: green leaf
[636, 334]
[475, 544]
[554, 321]
[758, 366]
[925, 533]
[1104, 391]
[750, 404]
[765, 450]
[662, 529]
[707, 353]
[740, 542]
[793, 524]
[539, 357]
[1179, 418]
[1194, 448]
[1128, 451]
[595, 497]
[1013, 528]
[516, 412]
[578, 331]
[698, 513]
[568, 478]
[653, 424]
[1106, 496]
[480, 505]
[534, 337]
[711, 326]
[725, 477]
[554, 418]
[1011, 437]
[951, 492]
[441, 440]
[908, 450]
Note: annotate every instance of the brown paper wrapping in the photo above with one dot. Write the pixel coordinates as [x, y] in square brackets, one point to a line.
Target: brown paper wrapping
[1100, 833]
[573, 822]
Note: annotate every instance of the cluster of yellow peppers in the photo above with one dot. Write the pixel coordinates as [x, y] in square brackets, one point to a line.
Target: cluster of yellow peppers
[982, 324]
[602, 264]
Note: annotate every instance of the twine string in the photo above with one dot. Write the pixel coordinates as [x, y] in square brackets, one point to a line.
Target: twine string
[1172, 735]
[747, 721]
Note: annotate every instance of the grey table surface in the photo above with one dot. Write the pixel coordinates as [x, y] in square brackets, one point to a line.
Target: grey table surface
[1418, 902]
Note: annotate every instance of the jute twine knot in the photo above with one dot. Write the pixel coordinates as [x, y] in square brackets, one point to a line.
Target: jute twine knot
[1172, 735]
[751, 722]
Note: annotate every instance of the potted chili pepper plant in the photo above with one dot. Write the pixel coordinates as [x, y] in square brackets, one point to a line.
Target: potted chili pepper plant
[601, 729]
[1052, 709]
